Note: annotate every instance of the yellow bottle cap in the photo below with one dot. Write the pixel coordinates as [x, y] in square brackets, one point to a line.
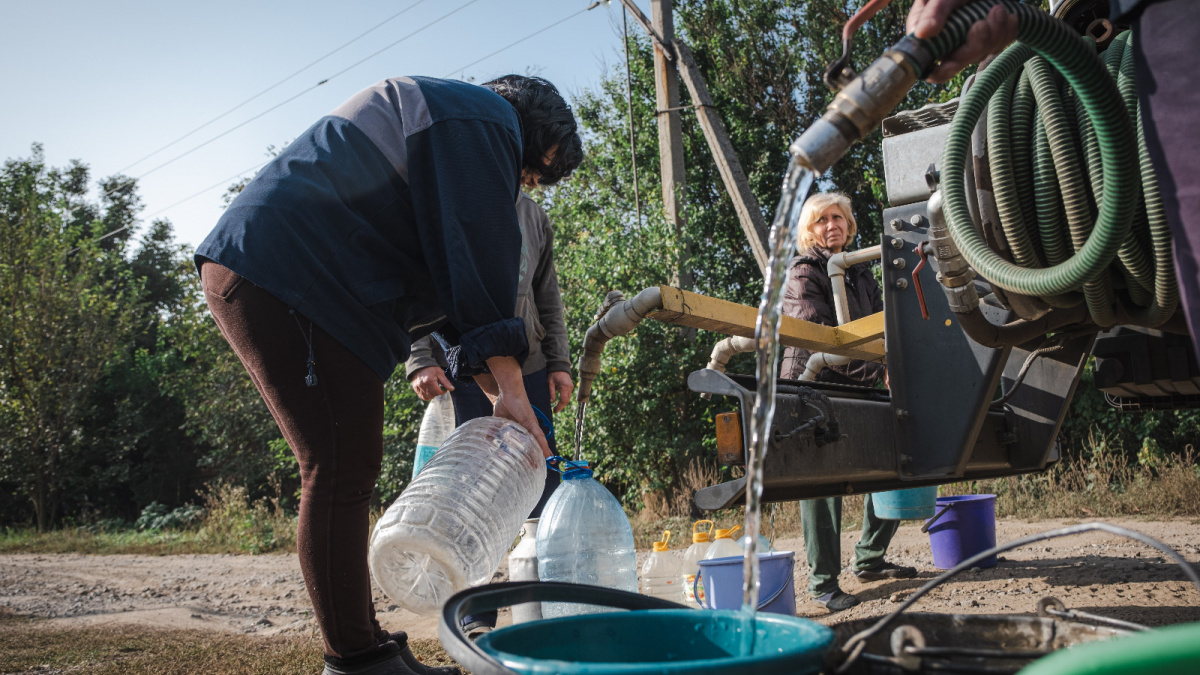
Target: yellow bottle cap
[699, 537]
[662, 545]
[728, 534]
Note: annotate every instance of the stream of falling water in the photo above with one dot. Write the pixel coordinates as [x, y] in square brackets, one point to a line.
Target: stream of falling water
[796, 184]
[580, 408]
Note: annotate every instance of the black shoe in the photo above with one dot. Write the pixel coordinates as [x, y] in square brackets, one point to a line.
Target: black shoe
[477, 628]
[410, 660]
[837, 601]
[886, 571]
[392, 666]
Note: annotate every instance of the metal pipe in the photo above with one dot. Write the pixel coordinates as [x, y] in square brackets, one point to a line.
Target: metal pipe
[838, 262]
[620, 319]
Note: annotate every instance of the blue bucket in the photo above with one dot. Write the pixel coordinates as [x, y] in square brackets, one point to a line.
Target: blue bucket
[962, 527]
[666, 641]
[722, 579]
[911, 504]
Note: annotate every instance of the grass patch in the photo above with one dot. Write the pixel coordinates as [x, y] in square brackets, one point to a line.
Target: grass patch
[231, 523]
[1101, 481]
[30, 646]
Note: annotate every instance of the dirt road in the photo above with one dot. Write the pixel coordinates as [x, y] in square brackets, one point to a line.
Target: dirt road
[265, 595]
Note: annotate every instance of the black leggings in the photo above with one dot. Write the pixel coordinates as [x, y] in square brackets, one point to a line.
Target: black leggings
[335, 430]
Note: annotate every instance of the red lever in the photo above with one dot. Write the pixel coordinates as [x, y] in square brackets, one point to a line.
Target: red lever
[916, 277]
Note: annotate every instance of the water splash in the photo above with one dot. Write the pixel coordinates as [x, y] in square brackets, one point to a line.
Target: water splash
[796, 184]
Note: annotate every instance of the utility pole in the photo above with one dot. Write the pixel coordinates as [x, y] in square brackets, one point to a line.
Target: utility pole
[670, 133]
[744, 203]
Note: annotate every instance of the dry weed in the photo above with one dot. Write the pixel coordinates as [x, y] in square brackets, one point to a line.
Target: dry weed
[235, 523]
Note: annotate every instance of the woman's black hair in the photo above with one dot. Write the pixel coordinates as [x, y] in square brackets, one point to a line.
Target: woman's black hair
[546, 122]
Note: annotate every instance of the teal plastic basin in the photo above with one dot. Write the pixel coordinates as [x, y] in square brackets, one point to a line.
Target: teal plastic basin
[663, 641]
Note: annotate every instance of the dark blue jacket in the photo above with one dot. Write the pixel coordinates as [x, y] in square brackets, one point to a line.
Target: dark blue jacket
[391, 218]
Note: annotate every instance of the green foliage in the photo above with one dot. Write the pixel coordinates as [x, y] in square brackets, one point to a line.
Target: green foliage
[69, 304]
[1145, 437]
[156, 517]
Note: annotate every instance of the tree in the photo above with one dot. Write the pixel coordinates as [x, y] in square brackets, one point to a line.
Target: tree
[68, 305]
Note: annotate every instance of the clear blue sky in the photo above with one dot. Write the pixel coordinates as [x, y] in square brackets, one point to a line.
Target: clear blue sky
[110, 82]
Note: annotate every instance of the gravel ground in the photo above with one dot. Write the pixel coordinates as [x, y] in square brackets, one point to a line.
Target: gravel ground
[265, 595]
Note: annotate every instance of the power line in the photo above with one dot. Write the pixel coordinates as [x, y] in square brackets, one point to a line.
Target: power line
[289, 100]
[273, 86]
[188, 198]
[534, 33]
[225, 181]
[210, 187]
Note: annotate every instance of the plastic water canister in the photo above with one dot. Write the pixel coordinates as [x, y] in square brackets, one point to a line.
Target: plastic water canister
[723, 545]
[692, 558]
[436, 426]
[522, 566]
[764, 544]
[584, 537]
[452, 525]
[661, 572]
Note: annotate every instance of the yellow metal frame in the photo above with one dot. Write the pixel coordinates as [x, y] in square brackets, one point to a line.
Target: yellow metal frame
[860, 339]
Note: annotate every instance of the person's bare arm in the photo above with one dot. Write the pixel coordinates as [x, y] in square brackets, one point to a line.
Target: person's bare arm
[510, 401]
[927, 18]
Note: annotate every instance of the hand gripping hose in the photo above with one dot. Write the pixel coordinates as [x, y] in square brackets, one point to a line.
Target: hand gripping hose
[1077, 197]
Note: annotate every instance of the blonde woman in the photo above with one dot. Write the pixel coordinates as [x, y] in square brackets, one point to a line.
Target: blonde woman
[827, 226]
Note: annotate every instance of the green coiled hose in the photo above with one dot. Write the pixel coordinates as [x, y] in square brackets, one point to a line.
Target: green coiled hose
[1074, 188]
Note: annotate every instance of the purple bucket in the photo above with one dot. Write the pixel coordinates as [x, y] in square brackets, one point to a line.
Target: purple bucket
[722, 579]
[962, 527]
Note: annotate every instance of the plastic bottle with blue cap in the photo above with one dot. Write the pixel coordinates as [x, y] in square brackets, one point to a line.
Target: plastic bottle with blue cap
[584, 537]
[436, 426]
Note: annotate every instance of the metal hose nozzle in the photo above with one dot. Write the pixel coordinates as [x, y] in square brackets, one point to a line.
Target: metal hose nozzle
[859, 108]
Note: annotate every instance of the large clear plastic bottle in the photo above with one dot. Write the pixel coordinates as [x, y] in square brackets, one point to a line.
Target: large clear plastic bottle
[692, 558]
[436, 426]
[661, 572]
[584, 537]
[723, 545]
[452, 525]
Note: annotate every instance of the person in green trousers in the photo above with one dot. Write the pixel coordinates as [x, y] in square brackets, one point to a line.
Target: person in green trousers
[826, 226]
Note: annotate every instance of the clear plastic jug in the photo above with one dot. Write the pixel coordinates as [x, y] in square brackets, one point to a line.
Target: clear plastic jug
[436, 426]
[692, 558]
[453, 524]
[661, 572]
[522, 566]
[584, 537]
[723, 545]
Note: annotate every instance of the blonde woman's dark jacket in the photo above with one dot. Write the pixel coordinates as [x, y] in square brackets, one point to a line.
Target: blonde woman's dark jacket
[808, 295]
